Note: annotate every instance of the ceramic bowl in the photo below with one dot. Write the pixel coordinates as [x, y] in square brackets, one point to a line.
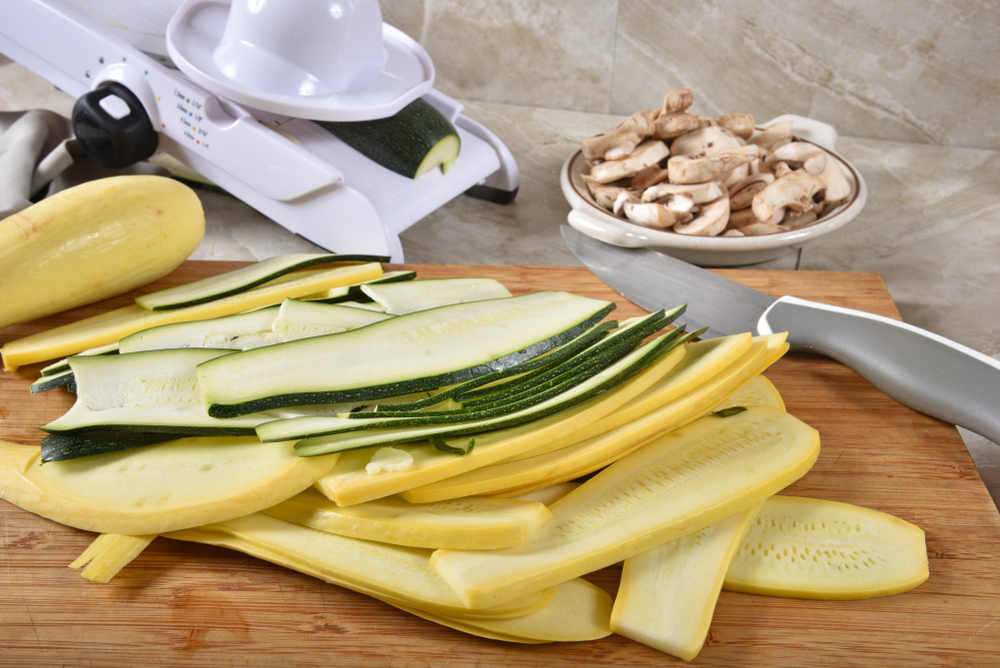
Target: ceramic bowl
[592, 219]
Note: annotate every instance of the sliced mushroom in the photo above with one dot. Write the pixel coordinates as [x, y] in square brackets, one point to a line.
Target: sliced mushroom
[676, 101]
[773, 135]
[838, 188]
[740, 125]
[603, 194]
[635, 128]
[741, 195]
[798, 154]
[699, 193]
[710, 222]
[696, 170]
[704, 141]
[653, 215]
[733, 176]
[794, 191]
[649, 177]
[739, 219]
[761, 229]
[674, 125]
[623, 198]
[798, 220]
[620, 151]
[646, 154]
[780, 169]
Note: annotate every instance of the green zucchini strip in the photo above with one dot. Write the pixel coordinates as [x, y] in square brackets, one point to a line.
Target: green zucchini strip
[241, 279]
[425, 350]
[617, 344]
[46, 383]
[403, 298]
[553, 381]
[614, 375]
[354, 293]
[523, 371]
[60, 447]
[152, 391]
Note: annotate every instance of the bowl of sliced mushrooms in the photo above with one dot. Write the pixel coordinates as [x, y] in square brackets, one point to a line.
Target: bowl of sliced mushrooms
[711, 190]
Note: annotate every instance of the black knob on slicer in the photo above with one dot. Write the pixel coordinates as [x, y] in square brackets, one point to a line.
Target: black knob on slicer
[113, 128]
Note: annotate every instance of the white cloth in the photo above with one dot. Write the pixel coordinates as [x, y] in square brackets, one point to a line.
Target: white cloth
[39, 157]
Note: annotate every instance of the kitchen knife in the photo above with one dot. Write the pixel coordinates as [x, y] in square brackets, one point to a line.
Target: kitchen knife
[922, 370]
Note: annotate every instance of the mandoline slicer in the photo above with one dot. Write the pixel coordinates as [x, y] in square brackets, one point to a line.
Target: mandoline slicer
[226, 87]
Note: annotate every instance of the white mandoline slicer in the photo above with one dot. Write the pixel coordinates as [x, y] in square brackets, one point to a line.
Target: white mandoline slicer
[226, 86]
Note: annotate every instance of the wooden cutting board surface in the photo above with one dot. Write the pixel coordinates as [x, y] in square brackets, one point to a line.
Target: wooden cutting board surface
[181, 604]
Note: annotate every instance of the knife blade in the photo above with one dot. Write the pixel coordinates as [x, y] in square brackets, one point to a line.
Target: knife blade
[925, 371]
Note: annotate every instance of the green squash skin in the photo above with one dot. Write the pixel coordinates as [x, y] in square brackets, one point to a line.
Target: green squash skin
[401, 142]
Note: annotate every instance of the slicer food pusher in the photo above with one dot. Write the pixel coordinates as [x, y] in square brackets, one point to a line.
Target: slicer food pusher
[149, 63]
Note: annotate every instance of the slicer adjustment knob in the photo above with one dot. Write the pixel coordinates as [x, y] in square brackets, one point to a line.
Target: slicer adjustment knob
[112, 127]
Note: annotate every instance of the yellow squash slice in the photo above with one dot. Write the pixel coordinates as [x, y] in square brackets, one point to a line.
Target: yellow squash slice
[349, 483]
[157, 488]
[391, 573]
[668, 594]
[475, 523]
[580, 611]
[114, 325]
[548, 494]
[573, 611]
[683, 481]
[758, 391]
[702, 360]
[108, 554]
[810, 548]
[573, 461]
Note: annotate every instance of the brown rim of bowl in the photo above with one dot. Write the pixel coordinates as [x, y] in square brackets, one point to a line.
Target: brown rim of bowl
[588, 198]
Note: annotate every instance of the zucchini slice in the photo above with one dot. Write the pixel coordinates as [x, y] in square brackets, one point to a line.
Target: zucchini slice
[51, 382]
[299, 319]
[410, 296]
[372, 432]
[350, 483]
[524, 371]
[415, 140]
[419, 351]
[354, 293]
[241, 331]
[242, 279]
[151, 391]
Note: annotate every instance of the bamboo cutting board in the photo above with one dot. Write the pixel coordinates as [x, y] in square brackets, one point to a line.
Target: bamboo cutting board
[180, 604]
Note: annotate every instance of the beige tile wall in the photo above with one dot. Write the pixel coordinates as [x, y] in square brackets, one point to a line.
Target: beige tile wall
[907, 70]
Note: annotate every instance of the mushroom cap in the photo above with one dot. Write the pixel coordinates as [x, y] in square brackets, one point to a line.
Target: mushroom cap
[704, 141]
[646, 154]
[698, 170]
[794, 190]
[652, 214]
[700, 193]
[711, 222]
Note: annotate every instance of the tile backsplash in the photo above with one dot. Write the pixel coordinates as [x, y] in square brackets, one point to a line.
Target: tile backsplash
[903, 70]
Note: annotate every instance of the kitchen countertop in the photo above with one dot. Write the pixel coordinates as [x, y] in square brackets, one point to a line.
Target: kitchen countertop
[931, 225]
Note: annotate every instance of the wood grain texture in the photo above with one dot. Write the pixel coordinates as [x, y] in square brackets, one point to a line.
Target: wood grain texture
[180, 604]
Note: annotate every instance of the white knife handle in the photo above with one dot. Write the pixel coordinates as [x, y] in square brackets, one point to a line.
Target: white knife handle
[924, 371]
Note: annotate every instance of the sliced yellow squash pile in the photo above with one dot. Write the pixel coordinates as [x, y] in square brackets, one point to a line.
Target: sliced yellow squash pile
[492, 534]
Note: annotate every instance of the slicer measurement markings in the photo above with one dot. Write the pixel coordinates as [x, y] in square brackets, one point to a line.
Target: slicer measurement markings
[191, 118]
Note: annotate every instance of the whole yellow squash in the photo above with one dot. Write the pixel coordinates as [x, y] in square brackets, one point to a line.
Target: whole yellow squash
[94, 241]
